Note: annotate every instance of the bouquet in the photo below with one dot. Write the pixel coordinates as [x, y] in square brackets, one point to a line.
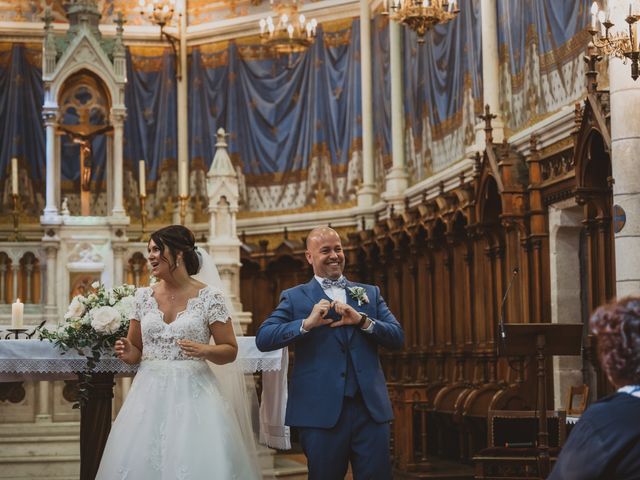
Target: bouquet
[92, 325]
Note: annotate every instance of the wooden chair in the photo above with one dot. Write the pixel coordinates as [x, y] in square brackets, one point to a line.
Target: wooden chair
[512, 451]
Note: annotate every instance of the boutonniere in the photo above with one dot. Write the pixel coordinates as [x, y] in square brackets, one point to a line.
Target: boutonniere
[359, 294]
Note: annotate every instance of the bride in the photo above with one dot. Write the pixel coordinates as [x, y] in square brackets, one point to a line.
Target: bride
[181, 420]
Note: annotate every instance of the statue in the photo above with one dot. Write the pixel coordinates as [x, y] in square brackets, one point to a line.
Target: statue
[83, 135]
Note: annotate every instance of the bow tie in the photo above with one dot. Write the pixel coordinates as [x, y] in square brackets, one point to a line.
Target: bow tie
[339, 283]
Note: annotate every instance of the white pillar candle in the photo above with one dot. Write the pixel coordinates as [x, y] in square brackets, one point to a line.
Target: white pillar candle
[17, 314]
[142, 175]
[14, 176]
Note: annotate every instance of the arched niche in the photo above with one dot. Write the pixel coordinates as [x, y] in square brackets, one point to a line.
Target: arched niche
[84, 104]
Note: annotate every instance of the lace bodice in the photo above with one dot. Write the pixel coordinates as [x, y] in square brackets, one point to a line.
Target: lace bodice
[159, 339]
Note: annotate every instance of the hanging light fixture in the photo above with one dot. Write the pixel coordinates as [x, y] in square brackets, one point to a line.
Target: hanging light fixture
[616, 43]
[160, 12]
[421, 15]
[290, 31]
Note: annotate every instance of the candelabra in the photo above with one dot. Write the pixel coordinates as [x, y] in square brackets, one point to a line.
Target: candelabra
[617, 44]
[183, 208]
[421, 15]
[16, 236]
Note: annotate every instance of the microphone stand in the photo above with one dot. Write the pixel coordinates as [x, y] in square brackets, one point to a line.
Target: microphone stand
[501, 331]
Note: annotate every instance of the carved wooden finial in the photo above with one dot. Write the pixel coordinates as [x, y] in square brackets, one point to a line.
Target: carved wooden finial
[592, 58]
[488, 129]
[533, 142]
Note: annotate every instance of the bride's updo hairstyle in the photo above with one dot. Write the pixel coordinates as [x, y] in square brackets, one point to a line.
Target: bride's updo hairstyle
[177, 238]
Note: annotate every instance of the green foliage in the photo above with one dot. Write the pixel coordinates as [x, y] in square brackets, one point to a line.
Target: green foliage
[91, 327]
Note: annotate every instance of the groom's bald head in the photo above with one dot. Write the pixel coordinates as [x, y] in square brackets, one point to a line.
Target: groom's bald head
[320, 233]
[324, 252]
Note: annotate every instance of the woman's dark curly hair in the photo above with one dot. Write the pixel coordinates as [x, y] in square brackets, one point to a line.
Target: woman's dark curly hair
[617, 327]
[177, 238]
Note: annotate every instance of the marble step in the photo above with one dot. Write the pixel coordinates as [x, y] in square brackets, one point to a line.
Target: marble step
[40, 451]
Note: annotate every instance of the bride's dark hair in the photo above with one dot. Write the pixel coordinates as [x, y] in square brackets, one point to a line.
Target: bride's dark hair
[177, 238]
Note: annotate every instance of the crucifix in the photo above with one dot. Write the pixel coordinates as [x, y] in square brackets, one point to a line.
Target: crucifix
[83, 135]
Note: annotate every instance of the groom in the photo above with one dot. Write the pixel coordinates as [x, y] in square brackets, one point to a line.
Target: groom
[338, 398]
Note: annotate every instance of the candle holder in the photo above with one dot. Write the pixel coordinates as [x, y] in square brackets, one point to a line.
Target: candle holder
[183, 208]
[15, 213]
[16, 332]
[144, 237]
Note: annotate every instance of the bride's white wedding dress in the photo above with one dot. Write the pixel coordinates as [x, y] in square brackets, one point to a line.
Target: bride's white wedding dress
[175, 424]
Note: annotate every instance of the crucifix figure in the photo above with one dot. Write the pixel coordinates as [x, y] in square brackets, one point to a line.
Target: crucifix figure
[83, 135]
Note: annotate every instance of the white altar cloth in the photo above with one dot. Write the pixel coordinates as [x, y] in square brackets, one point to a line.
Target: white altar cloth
[22, 360]
[42, 360]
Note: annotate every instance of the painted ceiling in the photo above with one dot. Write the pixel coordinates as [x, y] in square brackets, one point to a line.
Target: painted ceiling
[198, 11]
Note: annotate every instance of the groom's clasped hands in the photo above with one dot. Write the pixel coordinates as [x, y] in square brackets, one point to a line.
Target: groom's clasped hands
[320, 315]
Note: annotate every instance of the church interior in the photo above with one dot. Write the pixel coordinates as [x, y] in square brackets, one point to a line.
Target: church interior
[475, 157]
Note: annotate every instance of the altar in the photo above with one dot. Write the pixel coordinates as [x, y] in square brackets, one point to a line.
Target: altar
[23, 360]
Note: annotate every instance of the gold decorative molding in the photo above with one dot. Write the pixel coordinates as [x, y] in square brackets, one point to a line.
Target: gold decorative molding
[321, 206]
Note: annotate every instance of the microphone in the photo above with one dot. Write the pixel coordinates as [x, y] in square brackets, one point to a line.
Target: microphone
[501, 330]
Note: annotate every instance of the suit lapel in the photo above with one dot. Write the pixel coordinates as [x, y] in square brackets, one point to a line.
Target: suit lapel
[354, 303]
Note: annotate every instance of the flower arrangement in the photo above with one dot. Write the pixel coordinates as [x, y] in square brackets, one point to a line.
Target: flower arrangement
[92, 325]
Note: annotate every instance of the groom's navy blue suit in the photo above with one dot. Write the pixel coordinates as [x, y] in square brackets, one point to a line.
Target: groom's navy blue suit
[337, 381]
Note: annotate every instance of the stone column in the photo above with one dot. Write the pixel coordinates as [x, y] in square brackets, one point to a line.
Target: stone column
[397, 179]
[51, 288]
[118, 264]
[625, 143]
[490, 72]
[44, 408]
[367, 193]
[15, 268]
[183, 135]
[51, 207]
[117, 119]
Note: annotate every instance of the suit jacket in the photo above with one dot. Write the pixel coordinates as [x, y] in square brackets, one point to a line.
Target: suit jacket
[317, 385]
[604, 444]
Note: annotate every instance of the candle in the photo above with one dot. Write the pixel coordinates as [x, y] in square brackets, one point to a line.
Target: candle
[142, 175]
[594, 12]
[17, 313]
[14, 176]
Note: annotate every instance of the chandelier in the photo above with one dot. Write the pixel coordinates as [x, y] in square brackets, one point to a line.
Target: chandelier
[618, 44]
[421, 15]
[291, 34]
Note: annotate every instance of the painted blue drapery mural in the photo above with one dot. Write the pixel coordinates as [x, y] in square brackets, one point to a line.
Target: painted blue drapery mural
[541, 44]
[295, 133]
[151, 129]
[21, 131]
[442, 91]
[291, 130]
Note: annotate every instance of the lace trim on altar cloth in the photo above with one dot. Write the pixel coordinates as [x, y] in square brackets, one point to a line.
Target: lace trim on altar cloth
[34, 356]
[71, 365]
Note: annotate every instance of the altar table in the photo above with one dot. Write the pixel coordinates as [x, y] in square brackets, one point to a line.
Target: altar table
[22, 360]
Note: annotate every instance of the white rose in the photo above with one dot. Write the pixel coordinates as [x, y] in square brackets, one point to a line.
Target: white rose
[76, 309]
[95, 284]
[105, 320]
[126, 307]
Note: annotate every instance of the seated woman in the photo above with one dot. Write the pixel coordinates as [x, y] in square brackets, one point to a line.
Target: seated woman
[605, 443]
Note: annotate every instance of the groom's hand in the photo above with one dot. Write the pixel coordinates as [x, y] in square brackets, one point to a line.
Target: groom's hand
[349, 314]
[316, 317]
